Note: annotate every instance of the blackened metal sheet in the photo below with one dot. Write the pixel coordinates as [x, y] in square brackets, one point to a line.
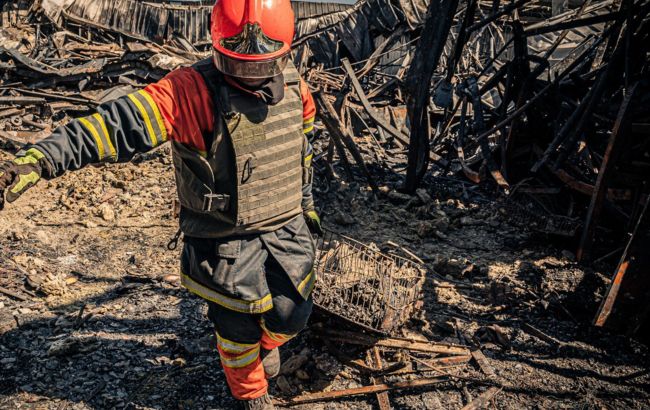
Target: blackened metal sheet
[158, 22]
[308, 9]
[414, 11]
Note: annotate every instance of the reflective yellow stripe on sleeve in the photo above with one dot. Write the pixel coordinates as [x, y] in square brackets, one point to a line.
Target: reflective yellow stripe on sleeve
[151, 115]
[157, 115]
[106, 136]
[96, 125]
[308, 125]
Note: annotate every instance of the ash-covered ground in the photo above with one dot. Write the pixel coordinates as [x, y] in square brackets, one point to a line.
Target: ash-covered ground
[104, 323]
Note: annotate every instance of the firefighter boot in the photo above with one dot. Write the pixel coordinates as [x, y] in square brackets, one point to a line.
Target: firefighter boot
[271, 362]
[260, 403]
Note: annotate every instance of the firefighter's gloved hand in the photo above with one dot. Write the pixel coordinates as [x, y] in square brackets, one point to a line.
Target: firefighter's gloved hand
[313, 222]
[20, 174]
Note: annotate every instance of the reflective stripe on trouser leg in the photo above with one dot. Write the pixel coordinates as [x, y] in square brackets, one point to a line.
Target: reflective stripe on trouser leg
[243, 368]
[271, 340]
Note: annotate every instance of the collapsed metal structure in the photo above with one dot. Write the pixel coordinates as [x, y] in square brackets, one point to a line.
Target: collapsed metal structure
[549, 109]
[547, 105]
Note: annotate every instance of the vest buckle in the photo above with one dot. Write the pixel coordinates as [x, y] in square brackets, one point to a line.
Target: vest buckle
[216, 202]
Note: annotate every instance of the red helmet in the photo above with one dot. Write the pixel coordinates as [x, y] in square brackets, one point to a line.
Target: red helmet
[252, 38]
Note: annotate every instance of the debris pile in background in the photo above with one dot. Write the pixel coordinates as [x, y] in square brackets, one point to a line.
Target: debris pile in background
[50, 74]
[548, 109]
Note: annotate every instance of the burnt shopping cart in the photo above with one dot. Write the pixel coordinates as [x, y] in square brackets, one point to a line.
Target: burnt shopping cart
[364, 286]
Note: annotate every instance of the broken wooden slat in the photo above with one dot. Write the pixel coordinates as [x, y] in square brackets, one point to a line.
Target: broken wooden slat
[13, 294]
[11, 112]
[359, 391]
[483, 363]
[21, 100]
[628, 257]
[541, 335]
[610, 158]
[396, 343]
[382, 397]
[449, 360]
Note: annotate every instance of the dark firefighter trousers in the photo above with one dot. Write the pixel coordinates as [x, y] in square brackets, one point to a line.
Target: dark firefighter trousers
[250, 264]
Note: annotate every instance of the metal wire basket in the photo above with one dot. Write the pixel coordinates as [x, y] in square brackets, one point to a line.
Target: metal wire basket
[364, 286]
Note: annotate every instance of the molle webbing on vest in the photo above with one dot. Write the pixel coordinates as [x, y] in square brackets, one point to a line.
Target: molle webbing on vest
[267, 141]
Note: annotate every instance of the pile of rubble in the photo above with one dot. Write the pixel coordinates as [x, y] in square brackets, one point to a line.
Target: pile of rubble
[547, 109]
[50, 74]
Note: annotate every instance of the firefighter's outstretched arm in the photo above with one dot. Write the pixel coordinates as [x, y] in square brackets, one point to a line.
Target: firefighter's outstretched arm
[179, 104]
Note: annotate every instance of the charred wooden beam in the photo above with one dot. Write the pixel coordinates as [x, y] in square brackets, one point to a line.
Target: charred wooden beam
[382, 397]
[631, 275]
[359, 391]
[440, 16]
[471, 87]
[612, 152]
[332, 122]
[566, 25]
[396, 343]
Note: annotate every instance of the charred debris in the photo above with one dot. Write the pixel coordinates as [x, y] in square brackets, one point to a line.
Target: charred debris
[544, 102]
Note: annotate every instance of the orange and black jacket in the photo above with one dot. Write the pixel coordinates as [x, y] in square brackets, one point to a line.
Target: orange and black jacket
[179, 107]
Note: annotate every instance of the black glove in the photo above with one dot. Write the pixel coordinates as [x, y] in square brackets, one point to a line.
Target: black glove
[20, 174]
[313, 222]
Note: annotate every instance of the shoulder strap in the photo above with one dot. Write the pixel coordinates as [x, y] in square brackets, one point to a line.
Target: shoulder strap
[210, 74]
[290, 73]
[213, 79]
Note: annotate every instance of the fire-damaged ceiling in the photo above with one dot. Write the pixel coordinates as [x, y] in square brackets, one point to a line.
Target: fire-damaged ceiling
[325, 32]
[159, 21]
[319, 24]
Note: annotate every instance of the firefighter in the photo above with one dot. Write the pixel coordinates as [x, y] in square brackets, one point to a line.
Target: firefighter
[239, 125]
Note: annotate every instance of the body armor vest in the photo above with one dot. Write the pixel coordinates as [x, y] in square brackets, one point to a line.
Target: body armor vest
[250, 180]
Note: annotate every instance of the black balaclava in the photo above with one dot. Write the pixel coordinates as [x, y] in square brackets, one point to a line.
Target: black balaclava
[270, 91]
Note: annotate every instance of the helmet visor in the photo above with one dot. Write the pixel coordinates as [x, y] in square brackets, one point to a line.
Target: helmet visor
[249, 69]
[251, 40]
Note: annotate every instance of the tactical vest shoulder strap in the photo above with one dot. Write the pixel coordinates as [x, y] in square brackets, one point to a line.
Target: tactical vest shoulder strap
[216, 84]
[291, 74]
[210, 74]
